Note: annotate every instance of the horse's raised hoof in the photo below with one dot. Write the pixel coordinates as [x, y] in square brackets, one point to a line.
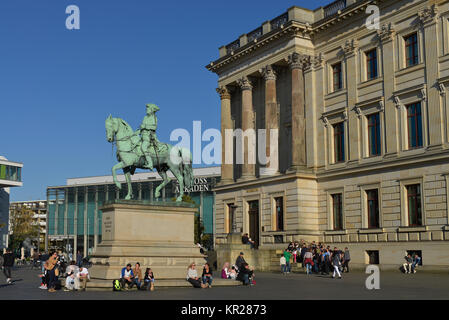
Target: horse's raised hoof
[118, 185]
[179, 199]
[157, 194]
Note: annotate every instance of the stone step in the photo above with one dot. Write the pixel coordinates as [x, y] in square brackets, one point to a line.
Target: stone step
[99, 284]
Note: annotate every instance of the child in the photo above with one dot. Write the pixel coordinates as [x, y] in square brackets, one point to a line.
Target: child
[283, 263]
[149, 279]
[233, 273]
[295, 252]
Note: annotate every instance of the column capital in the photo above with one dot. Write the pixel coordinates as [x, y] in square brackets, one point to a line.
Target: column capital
[245, 83]
[298, 61]
[318, 61]
[386, 33]
[224, 93]
[428, 16]
[268, 73]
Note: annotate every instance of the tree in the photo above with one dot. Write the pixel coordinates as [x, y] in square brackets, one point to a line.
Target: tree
[22, 226]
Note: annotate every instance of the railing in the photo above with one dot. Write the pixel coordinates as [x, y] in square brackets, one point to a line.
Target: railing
[255, 34]
[233, 46]
[276, 23]
[334, 7]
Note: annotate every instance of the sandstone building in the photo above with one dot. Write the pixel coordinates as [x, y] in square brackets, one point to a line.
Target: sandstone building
[363, 118]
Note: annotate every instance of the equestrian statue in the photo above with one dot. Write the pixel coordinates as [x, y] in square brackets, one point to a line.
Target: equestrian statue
[141, 149]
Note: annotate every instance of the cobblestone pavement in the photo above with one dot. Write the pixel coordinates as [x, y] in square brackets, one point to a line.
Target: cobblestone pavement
[270, 286]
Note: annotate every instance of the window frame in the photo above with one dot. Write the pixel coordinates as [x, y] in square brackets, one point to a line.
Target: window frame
[371, 68]
[415, 50]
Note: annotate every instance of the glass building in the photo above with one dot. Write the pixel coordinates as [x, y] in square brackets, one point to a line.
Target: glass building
[74, 216]
[10, 176]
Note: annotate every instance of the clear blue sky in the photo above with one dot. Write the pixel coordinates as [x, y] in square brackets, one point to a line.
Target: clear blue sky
[57, 86]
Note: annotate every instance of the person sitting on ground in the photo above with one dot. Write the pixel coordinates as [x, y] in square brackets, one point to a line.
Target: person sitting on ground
[233, 273]
[408, 263]
[148, 280]
[225, 271]
[84, 277]
[416, 262]
[192, 277]
[127, 276]
[207, 275]
[137, 275]
[72, 282]
[245, 274]
[240, 261]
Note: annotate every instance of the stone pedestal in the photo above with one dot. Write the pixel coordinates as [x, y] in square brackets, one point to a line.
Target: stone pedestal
[157, 235]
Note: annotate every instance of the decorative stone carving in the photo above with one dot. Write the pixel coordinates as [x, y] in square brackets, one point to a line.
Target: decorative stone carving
[386, 32]
[358, 111]
[345, 115]
[318, 60]
[350, 47]
[268, 73]
[428, 15]
[325, 121]
[381, 105]
[424, 94]
[244, 83]
[398, 102]
[224, 93]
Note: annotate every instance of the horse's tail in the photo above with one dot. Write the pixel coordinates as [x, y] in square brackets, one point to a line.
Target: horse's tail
[186, 165]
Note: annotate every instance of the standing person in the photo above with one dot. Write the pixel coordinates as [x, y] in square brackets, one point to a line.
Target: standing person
[137, 275]
[308, 261]
[192, 277]
[51, 266]
[283, 264]
[287, 255]
[79, 259]
[325, 262]
[207, 276]
[346, 259]
[336, 262]
[8, 262]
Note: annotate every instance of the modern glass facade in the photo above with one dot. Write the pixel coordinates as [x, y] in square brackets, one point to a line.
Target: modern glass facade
[12, 173]
[75, 217]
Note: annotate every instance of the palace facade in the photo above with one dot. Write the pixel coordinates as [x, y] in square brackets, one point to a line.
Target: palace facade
[363, 118]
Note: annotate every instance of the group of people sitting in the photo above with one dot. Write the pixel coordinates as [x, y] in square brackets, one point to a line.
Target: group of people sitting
[76, 276]
[240, 271]
[133, 276]
[315, 258]
[411, 262]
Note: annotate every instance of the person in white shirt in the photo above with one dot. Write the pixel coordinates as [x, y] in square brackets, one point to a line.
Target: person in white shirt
[83, 276]
[283, 263]
[71, 282]
[192, 277]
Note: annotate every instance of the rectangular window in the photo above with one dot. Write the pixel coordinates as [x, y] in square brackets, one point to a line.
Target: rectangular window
[337, 77]
[371, 64]
[414, 125]
[411, 50]
[339, 142]
[374, 134]
[414, 205]
[279, 213]
[373, 256]
[231, 211]
[337, 211]
[373, 208]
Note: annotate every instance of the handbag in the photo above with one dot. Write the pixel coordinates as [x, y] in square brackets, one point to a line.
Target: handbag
[57, 272]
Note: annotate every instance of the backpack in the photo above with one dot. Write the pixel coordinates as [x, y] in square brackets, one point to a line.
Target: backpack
[116, 285]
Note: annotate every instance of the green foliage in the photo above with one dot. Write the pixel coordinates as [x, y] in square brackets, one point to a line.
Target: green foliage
[22, 226]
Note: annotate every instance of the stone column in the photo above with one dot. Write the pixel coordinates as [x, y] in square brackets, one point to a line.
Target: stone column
[75, 225]
[227, 172]
[296, 62]
[248, 167]
[386, 36]
[96, 218]
[271, 120]
[85, 222]
[428, 19]
[354, 138]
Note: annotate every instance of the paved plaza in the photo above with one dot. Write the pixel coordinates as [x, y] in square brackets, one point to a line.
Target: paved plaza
[270, 286]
